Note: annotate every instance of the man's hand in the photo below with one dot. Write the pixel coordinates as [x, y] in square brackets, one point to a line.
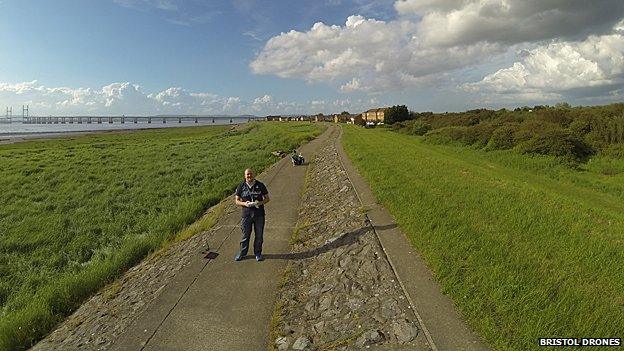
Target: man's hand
[250, 204]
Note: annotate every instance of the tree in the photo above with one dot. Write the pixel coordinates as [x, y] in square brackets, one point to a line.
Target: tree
[345, 113]
[396, 113]
[563, 105]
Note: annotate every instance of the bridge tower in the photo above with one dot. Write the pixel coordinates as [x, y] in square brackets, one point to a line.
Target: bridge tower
[25, 114]
[9, 114]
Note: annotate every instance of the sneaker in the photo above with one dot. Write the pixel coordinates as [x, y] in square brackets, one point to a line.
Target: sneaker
[259, 257]
[239, 257]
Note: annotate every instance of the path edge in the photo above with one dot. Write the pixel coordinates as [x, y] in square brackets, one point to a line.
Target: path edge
[443, 325]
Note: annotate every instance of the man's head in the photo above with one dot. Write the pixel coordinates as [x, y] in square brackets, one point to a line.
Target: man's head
[249, 175]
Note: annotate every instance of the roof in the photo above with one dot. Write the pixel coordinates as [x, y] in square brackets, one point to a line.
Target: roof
[381, 109]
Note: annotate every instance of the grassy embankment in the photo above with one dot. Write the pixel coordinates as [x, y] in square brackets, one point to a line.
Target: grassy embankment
[525, 246]
[77, 212]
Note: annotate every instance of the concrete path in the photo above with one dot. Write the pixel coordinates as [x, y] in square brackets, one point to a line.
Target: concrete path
[442, 324]
[216, 303]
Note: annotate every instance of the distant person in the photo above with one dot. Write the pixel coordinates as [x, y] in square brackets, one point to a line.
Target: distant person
[251, 195]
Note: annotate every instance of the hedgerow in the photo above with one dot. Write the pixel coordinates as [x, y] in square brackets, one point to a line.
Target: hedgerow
[571, 133]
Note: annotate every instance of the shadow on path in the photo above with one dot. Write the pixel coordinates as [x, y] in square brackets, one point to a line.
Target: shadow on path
[344, 239]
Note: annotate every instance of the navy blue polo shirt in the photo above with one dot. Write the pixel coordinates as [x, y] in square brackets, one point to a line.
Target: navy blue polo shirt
[253, 193]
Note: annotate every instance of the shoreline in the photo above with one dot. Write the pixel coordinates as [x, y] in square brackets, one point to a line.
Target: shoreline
[21, 137]
[17, 137]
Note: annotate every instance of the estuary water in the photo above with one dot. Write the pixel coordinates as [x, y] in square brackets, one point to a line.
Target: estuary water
[16, 128]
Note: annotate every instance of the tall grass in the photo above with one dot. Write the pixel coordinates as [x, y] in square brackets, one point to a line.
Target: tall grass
[78, 212]
[527, 247]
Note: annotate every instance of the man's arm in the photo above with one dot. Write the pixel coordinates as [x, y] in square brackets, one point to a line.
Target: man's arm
[266, 199]
[239, 201]
[265, 195]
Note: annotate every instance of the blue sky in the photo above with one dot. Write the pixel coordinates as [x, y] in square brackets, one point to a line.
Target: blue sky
[263, 57]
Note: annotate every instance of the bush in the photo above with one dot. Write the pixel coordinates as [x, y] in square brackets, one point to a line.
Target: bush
[418, 127]
[579, 131]
[558, 116]
[446, 135]
[556, 142]
[509, 117]
[479, 135]
[533, 127]
[606, 130]
[400, 127]
[410, 127]
[580, 127]
[503, 138]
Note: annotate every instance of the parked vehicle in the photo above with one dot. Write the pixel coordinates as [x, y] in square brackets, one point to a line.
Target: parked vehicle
[297, 159]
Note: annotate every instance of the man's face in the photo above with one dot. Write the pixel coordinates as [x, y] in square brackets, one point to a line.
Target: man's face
[249, 175]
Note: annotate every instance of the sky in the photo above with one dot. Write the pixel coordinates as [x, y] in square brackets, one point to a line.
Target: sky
[232, 57]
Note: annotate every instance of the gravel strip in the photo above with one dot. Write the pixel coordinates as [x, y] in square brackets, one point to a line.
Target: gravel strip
[339, 292]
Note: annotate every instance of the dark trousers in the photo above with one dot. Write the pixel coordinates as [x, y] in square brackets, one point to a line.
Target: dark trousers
[258, 226]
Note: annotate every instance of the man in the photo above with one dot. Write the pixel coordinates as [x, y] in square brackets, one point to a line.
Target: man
[251, 195]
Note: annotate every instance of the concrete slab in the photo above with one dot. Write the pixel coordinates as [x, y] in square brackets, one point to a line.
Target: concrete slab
[220, 304]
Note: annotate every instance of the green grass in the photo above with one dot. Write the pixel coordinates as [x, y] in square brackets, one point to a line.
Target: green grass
[527, 247]
[78, 212]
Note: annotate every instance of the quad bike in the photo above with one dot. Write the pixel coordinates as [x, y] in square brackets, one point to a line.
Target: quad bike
[297, 159]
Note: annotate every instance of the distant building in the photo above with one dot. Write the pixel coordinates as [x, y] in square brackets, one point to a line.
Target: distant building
[374, 115]
[342, 117]
[289, 118]
[357, 119]
[323, 118]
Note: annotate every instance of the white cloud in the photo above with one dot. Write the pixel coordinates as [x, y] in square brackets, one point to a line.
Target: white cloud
[342, 103]
[116, 98]
[33, 93]
[178, 97]
[561, 68]
[129, 99]
[406, 7]
[123, 97]
[325, 52]
[264, 100]
[167, 5]
[363, 55]
[443, 43]
[353, 85]
[231, 104]
[461, 22]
